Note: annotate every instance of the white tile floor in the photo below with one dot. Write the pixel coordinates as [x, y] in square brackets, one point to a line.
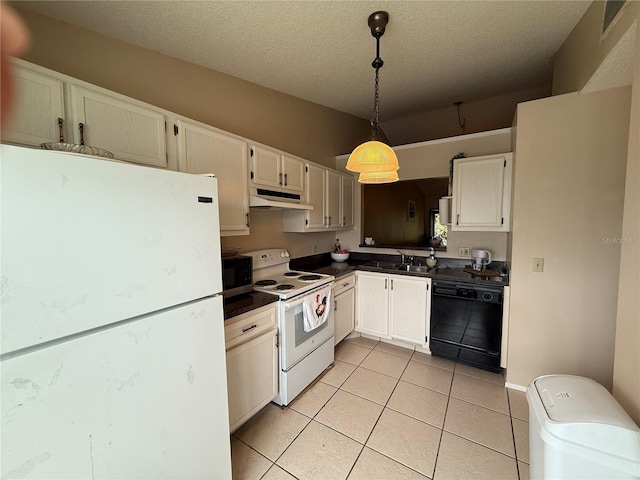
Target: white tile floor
[386, 412]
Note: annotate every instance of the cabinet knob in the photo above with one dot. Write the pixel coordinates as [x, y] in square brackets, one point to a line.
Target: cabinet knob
[81, 126]
[280, 182]
[285, 179]
[247, 215]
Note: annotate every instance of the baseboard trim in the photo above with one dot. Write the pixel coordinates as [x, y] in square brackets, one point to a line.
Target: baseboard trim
[514, 386]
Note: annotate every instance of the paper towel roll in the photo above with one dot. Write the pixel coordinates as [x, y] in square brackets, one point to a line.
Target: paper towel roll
[444, 207]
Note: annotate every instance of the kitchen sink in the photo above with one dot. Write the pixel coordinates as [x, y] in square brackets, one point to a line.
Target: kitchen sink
[414, 268]
[382, 265]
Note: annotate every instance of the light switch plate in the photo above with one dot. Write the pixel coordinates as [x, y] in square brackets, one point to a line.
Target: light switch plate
[538, 265]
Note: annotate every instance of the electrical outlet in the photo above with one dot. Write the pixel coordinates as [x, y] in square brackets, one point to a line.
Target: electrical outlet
[538, 265]
[464, 252]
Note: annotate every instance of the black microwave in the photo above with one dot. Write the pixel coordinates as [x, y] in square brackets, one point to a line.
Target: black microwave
[237, 275]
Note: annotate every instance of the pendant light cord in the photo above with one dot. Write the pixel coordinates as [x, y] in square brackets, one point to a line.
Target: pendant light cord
[376, 107]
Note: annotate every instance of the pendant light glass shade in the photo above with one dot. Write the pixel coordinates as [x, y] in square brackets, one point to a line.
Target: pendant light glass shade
[378, 177]
[373, 156]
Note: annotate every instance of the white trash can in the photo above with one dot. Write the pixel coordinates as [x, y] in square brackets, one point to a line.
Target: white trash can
[577, 430]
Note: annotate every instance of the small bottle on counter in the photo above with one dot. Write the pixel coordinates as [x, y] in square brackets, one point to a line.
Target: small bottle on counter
[337, 248]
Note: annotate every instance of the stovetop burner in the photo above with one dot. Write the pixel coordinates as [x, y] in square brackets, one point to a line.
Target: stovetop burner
[271, 274]
[309, 278]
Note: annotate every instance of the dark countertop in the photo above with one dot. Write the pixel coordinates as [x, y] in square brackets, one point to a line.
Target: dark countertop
[246, 302]
[322, 263]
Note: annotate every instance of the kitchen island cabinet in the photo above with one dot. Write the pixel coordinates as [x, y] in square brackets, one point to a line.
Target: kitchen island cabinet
[393, 306]
[251, 340]
[204, 149]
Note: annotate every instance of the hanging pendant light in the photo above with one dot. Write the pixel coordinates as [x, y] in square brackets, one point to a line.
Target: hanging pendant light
[374, 155]
[378, 177]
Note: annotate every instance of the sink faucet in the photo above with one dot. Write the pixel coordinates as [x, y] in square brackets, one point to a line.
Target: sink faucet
[402, 256]
[405, 259]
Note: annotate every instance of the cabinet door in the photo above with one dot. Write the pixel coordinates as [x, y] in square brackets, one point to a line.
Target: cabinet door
[252, 377]
[130, 130]
[344, 314]
[372, 304]
[315, 196]
[347, 201]
[203, 149]
[408, 297]
[265, 167]
[333, 199]
[293, 174]
[38, 106]
[478, 185]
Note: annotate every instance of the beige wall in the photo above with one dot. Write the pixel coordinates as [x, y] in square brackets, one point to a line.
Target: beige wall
[431, 160]
[626, 366]
[581, 56]
[296, 126]
[479, 116]
[584, 50]
[568, 201]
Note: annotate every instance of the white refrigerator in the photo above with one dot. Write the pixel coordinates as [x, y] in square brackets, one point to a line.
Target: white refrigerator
[112, 357]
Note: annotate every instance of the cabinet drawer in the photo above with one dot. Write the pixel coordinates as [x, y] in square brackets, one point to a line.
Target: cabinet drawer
[248, 326]
[343, 284]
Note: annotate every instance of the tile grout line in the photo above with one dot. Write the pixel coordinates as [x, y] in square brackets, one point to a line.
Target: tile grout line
[513, 435]
[444, 421]
[364, 445]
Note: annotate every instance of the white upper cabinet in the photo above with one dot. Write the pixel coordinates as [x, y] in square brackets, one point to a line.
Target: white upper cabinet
[482, 193]
[131, 130]
[332, 200]
[293, 173]
[323, 191]
[203, 149]
[316, 191]
[347, 195]
[274, 170]
[38, 111]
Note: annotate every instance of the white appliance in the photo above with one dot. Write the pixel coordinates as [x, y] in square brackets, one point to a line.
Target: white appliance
[303, 355]
[112, 346]
[480, 259]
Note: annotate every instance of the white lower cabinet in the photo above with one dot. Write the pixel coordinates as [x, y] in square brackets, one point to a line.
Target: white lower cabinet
[344, 301]
[393, 306]
[252, 363]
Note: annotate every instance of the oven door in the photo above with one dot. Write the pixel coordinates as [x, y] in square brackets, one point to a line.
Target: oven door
[295, 343]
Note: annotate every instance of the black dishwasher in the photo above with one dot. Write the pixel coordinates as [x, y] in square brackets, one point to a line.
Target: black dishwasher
[466, 323]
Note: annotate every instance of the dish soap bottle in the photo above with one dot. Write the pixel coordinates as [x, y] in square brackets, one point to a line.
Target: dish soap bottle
[337, 248]
[431, 260]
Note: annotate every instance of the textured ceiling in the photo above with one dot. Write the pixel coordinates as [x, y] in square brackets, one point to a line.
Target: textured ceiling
[435, 52]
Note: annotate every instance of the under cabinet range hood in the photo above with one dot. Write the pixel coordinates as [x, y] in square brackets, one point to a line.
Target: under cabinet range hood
[263, 198]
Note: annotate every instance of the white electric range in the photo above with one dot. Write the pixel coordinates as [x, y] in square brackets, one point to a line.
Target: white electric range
[303, 355]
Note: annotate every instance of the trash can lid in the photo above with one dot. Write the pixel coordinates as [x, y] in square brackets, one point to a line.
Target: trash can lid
[569, 398]
[579, 416]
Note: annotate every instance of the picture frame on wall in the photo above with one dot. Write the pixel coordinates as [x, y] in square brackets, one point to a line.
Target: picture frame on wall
[411, 211]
